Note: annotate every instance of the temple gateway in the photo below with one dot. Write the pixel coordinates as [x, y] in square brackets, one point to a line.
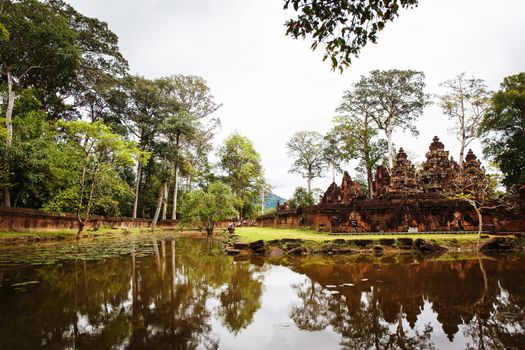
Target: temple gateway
[405, 199]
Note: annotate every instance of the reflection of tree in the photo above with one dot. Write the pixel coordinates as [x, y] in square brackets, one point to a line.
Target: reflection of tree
[497, 323]
[311, 311]
[241, 298]
[383, 315]
[160, 301]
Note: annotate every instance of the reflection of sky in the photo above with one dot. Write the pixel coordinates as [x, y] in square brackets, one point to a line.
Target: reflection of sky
[438, 336]
[271, 327]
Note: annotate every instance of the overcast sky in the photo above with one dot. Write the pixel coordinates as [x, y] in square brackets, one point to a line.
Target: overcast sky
[272, 86]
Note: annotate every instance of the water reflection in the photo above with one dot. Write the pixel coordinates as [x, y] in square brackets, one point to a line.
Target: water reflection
[477, 303]
[187, 295]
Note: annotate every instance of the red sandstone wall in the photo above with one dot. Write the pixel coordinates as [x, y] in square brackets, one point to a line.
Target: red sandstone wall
[394, 216]
[21, 219]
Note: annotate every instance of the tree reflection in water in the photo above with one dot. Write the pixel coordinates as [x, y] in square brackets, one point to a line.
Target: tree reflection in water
[135, 303]
[188, 294]
[374, 305]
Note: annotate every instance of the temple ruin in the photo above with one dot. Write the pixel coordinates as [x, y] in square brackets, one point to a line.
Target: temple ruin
[404, 199]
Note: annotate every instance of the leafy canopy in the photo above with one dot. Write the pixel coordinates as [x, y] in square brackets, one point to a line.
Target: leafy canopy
[307, 148]
[344, 27]
[97, 155]
[503, 129]
[242, 166]
[208, 206]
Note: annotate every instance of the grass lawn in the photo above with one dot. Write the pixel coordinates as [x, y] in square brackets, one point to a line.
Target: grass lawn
[250, 234]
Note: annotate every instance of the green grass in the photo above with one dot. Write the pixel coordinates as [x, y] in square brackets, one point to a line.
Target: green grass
[68, 233]
[250, 234]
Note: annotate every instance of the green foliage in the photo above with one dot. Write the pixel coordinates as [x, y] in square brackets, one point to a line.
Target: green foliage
[4, 33]
[97, 155]
[242, 167]
[392, 99]
[307, 148]
[356, 135]
[192, 94]
[302, 198]
[503, 129]
[42, 50]
[344, 27]
[206, 208]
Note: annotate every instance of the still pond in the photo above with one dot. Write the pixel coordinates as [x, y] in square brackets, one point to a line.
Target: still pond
[162, 293]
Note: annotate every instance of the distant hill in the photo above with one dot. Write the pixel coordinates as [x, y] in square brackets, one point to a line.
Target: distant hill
[271, 201]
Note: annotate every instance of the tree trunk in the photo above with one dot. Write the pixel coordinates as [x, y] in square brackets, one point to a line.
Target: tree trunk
[175, 193]
[309, 184]
[137, 190]
[209, 228]
[159, 205]
[369, 178]
[262, 202]
[480, 223]
[390, 147]
[462, 149]
[9, 136]
[81, 225]
[165, 203]
[240, 212]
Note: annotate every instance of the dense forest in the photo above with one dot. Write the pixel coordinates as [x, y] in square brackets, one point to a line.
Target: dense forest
[80, 134]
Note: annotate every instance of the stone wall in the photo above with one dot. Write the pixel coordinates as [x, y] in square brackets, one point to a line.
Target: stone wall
[21, 219]
[395, 215]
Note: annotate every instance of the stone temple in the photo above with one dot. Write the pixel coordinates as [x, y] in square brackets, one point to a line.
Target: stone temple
[405, 199]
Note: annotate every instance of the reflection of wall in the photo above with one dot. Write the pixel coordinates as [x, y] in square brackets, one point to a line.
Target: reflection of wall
[396, 215]
[456, 289]
[17, 219]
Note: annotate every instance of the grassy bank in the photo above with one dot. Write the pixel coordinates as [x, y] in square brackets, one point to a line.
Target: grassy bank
[66, 234]
[250, 234]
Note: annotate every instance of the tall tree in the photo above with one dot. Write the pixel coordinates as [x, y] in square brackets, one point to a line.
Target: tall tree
[307, 150]
[503, 129]
[98, 153]
[242, 167]
[144, 111]
[343, 27]
[194, 98]
[41, 52]
[396, 100]
[465, 102]
[333, 154]
[266, 190]
[93, 92]
[357, 135]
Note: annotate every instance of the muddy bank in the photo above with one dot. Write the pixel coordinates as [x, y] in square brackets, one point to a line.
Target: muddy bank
[299, 247]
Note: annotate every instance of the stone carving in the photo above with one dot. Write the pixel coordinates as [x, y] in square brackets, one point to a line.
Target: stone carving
[350, 189]
[281, 207]
[403, 180]
[332, 194]
[438, 171]
[381, 181]
[438, 174]
[473, 173]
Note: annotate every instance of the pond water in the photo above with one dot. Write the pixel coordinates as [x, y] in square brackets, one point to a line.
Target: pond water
[185, 294]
